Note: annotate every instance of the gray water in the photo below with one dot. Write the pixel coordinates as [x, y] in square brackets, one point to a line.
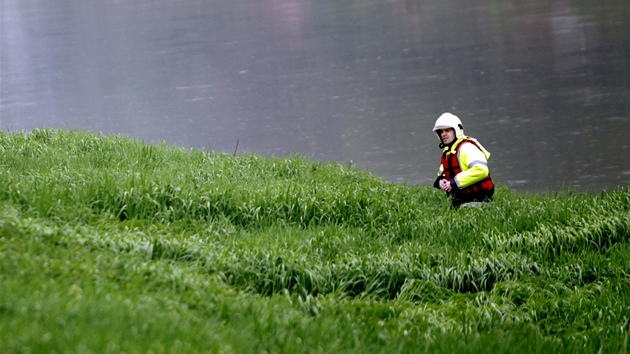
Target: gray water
[544, 85]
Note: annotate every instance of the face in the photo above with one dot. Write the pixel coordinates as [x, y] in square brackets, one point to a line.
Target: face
[447, 135]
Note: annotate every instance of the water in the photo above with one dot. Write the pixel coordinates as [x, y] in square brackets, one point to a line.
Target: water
[545, 86]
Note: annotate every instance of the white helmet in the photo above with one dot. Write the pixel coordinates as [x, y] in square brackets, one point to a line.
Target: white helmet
[448, 120]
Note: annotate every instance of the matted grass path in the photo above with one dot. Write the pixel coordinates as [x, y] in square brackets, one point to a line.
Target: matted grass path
[109, 245]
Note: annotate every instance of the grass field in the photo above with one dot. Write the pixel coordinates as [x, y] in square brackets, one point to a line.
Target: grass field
[110, 245]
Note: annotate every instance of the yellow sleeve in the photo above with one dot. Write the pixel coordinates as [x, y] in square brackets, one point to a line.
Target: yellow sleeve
[440, 171]
[474, 165]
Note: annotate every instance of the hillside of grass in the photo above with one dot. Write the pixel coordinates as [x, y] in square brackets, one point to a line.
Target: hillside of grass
[110, 245]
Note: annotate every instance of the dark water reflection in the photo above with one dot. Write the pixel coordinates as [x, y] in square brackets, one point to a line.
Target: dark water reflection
[544, 85]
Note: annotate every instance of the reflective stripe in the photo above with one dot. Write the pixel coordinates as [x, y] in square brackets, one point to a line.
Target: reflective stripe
[477, 162]
[457, 182]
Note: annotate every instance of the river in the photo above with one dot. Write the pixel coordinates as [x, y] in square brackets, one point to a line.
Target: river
[544, 85]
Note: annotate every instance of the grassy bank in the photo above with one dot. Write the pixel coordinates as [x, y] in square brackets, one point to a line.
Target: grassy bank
[109, 245]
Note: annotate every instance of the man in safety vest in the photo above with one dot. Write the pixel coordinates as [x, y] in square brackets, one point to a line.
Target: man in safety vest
[464, 174]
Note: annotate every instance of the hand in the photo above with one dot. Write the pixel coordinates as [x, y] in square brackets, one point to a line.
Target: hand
[445, 185]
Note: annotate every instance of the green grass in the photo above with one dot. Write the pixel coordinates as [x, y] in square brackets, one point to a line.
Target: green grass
[109, 245]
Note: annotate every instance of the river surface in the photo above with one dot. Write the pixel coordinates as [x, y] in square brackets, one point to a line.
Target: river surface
[544, 85]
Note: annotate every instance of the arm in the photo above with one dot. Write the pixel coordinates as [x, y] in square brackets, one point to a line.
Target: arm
[439, 178]
[474, 165]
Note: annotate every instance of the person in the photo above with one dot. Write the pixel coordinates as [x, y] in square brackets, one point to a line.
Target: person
[464, 173]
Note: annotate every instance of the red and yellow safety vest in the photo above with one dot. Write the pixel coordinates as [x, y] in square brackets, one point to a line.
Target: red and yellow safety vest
[451, 166]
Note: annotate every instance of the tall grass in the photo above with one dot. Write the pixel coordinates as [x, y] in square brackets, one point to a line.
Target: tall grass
[108, 244]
